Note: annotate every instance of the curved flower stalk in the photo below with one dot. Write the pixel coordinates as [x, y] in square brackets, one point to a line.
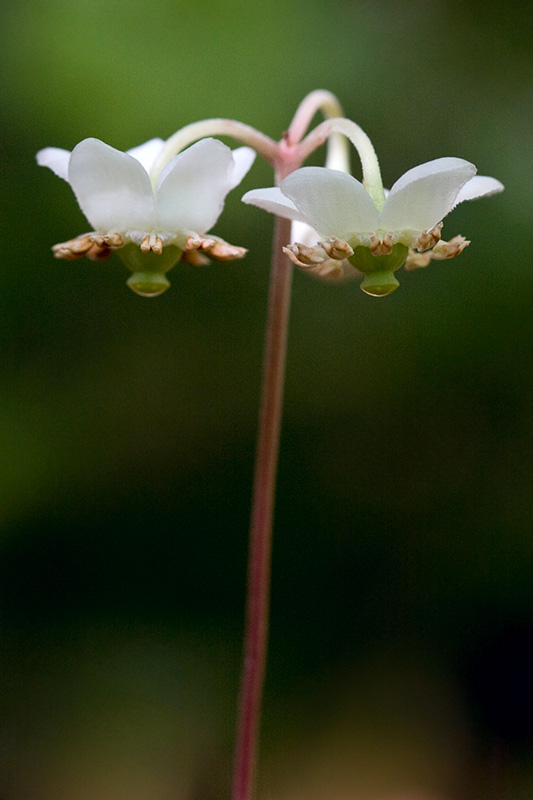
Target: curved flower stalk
[152, 222]
[406, 230]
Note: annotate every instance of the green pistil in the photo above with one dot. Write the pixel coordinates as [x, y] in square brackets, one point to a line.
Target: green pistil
[149, 278]
[379, 271]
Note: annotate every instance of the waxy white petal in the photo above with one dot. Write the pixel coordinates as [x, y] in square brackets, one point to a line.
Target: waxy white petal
[192, 188]
[479, 186]
[112, 188]
[147, 153]
[333, 203]
[243, 158]
[56, 159]
[425, 194]
[274, 201]
[302, 233]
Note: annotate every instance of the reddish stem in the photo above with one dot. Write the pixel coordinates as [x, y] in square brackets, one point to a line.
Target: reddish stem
[258, 595]
[288, 156]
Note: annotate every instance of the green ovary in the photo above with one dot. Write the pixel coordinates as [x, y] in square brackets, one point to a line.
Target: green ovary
[379, 271]
[149, 278]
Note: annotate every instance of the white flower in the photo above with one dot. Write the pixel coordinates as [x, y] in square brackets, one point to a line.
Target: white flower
[166, 216]
[381, 240]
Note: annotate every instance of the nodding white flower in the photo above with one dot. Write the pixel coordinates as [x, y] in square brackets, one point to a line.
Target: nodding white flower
[153, 220]
[377, 241]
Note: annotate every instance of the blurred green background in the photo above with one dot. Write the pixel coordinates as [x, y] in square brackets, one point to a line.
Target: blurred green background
[402, 619]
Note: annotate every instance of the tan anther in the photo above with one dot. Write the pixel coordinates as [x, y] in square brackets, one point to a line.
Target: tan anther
[441, 252]
[337, 249]
[214, 248]
[97, 253]
[206, 244]
[381, 246]
[80, 245]
[304, 256]
[193, 243]
[65, 253]
[417, 260]
[331, 270]
[222, 251]
[195, 258]
[449, 249]
[106, 240]
[430, 238]
[92, 245]
[152, 244]
[74, 248]
[113, 240]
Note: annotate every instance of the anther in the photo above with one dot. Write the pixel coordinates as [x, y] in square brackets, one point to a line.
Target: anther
[195, 258]
[337, 249]
[440, 252]
[381, 246]
[89, 245]
[215, 248]
[192, 243]
[417, 260]
[113, 240]
[429, 239]
[450, 249]
[222, 251]
[303, 256]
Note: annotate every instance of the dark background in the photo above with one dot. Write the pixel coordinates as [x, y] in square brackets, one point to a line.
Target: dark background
[400, 664]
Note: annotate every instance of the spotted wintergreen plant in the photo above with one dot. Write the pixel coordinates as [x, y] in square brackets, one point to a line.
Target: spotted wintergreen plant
[153, 217]
[155, 204]
[377, 235]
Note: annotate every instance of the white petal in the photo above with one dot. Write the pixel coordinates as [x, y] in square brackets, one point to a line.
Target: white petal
[147, 153]
[243, 158]
[425, 194]
[333, 203]
[302, 233]
[274, 201]
[479, 186]
[192, 188]
[112, 188]
[56, 159]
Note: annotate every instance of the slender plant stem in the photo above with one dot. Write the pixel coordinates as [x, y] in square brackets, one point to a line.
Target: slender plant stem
[258, 595]
[287, 156]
